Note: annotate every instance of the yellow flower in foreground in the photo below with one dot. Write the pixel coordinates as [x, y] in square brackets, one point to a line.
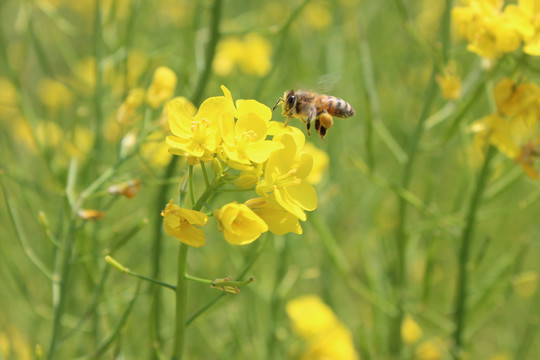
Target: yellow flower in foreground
[285, 176]
[162, 87]
[180, 223]
[279, 221]
[310, 316]
[410, 330]
[239, 223]
[244, 140]
[197, 136]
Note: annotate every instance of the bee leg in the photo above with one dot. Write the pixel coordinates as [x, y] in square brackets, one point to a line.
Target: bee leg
[322, 132]
[308, 126]
[317, 124]
[286, 121]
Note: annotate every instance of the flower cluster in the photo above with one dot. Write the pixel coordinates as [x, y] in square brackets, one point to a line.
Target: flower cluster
[251, 54]
[252, 152]
[326, 336]
[493, 29]
[514, 128]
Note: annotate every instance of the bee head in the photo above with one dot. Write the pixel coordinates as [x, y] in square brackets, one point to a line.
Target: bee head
[290, 101]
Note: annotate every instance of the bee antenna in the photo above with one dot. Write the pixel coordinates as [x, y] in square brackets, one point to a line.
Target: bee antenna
[280, 100]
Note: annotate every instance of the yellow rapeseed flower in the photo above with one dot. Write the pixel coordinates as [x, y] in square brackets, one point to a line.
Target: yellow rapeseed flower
[279, 220]
[335, 344]
[315, 322]
[197, 136]
[155, 151]
[410, 330]
[239, 223]
[429, 350]
[244, 140]
[285, 175]
[181, 223]
[54, 94]
[310, 316]
[126, 114]
[8, 100]
[450, 83]
[321, 161]
[251, 54]
[492, 30]
[162, 87]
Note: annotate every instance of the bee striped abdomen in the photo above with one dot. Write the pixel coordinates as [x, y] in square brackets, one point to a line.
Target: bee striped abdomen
[335, 106]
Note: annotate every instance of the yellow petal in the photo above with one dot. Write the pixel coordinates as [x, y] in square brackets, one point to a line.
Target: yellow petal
[179, 119]
[304, 195]
[260, 151]
[246, 107]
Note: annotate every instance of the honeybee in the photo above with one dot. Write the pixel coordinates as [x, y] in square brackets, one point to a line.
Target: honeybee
[309, 106]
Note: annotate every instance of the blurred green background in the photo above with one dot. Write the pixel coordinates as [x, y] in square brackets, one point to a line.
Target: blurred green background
[67, 66]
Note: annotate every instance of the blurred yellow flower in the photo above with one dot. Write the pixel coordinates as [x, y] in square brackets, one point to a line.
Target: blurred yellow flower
[244, 140]
[54, 94]
[335, 344]
[80, 144]
[492, 30]
[85, 72]
[181, 223]
[529, 155]
[126, 114]
[8, 100]
[318, 15]
[239, 223]
[162, 87]
[310, 316]
[197, 136]
[285, 176]
[450, 83]
[515, 128]
[279, 221]
[526, 284]
[316, 323]
[14, 346]
[501, 356]
[155, 151]
[320, 163]
[429, 350]
[49, 134]
[410, 330]
[251, 54]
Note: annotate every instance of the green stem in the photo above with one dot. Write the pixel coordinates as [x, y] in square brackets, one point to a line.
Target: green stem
[198, 279]
[62, 284]
[190, 185]
[98, 89]
[181, 303]
[205, 174]
[210, 53]
[247, 267]
[460, 310]
[401, 235]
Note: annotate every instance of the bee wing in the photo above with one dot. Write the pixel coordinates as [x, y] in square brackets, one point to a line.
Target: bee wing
[326, 83]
